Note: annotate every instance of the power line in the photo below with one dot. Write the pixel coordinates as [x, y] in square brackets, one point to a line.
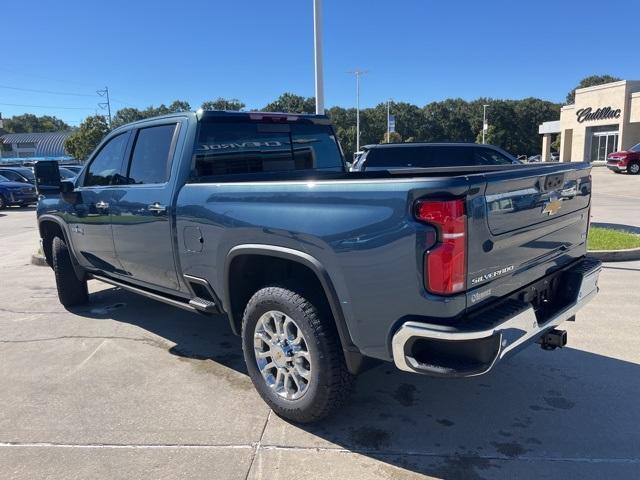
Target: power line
[43, 77]
[47, 91]
[45, 106]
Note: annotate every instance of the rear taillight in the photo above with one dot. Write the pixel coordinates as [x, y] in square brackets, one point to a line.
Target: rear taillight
[445, 265]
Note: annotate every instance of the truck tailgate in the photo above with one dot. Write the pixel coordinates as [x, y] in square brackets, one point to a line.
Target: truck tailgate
[524, 224]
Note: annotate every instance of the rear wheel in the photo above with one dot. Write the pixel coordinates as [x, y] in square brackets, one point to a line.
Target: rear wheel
[633, 168]
[71, 290]
[293, 355]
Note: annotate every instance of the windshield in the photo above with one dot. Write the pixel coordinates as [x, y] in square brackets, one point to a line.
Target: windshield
[66, 174]
[635, 148]
[27, 173]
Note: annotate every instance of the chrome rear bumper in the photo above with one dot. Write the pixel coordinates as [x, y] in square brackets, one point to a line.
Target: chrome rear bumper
[465, 353]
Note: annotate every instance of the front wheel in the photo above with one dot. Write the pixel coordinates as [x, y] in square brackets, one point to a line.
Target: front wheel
[3, 203]
[633, 168]
[293, 355]
[71, 290]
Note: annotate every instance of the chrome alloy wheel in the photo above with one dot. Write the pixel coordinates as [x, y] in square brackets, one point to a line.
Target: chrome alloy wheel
[282, 355]
[634, 168]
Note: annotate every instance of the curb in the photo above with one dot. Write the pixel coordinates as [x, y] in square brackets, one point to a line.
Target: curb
[39, 260]
[615, 255]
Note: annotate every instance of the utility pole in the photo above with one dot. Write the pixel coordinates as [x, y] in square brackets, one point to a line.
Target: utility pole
[107, 104]
[357, 73]
[317, 44]
[485, 127]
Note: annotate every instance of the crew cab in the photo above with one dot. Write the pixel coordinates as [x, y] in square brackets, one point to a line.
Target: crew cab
[625, 160]
[323, 272]
[388, 156]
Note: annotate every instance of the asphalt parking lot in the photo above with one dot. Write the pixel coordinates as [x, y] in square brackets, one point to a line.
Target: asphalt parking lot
[129, 388]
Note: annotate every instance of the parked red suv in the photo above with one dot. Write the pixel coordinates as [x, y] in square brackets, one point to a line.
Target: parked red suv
[625, 161]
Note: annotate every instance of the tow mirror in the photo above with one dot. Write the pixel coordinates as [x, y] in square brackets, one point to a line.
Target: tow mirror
[68, 192]
[47, 177]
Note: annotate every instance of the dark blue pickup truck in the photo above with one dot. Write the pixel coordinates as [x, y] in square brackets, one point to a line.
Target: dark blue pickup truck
[323, 272]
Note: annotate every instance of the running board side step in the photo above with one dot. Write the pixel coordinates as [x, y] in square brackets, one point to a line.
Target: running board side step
[204, 305]
[153, 295]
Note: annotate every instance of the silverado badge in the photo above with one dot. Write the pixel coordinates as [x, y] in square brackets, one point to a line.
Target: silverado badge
[552, 207]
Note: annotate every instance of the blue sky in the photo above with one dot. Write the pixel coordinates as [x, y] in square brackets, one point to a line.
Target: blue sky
[415, 50]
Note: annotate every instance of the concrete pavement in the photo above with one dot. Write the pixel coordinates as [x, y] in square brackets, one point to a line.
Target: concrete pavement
[129, 388]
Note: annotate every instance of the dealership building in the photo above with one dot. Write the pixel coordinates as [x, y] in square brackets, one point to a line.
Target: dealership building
[603, 119]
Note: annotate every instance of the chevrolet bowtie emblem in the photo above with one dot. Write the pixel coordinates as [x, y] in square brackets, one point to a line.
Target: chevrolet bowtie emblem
[552, 207]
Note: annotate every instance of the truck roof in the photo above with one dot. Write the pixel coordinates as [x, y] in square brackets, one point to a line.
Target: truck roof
[234, 116]
[227, 115]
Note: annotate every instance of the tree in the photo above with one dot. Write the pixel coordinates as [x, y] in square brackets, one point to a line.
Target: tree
[30, 123]
[591, 81]
[394, 137]
[223, 104]
[291, 103]
[87, 137]
[129, 114]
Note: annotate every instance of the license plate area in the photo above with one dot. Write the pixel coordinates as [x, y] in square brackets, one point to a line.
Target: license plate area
[551, 294]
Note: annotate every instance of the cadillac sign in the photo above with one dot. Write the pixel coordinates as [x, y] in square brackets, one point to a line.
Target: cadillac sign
[605, 113]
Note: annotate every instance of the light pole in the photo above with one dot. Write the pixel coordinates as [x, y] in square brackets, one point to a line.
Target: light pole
[388, 123]
[357, 73]
[484, 122]
[317, 44]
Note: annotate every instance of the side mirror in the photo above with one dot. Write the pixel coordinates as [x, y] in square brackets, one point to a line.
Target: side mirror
[68, 192]
[47, 177]
[66, 187]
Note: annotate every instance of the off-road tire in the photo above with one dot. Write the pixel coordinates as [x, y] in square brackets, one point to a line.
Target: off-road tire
[331, 383]
[71, 290]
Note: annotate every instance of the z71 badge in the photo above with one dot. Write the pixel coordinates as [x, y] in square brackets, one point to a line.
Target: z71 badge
[491, 275]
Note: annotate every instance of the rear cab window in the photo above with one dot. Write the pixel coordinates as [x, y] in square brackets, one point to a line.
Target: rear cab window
[234, 148]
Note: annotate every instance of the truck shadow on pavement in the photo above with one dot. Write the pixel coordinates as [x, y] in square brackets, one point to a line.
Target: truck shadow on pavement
[540, 412]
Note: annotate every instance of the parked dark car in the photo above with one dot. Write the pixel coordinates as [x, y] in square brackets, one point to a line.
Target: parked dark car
[66, 173]
[16, 193]
[389, 156]
[18, 174]
[323, 272]
[625, 160]
[76, 169]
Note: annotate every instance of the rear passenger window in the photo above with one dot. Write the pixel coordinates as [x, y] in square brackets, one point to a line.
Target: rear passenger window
[150, 162]
[242, 148]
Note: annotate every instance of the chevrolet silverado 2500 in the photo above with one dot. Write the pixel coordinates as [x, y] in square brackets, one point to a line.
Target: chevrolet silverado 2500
[442, 271]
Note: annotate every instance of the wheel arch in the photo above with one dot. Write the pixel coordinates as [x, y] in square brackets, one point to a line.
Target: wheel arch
[50, 226]
[301, 263]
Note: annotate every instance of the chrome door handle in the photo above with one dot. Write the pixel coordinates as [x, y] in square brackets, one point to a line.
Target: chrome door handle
[157, 208]
[102, 205]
